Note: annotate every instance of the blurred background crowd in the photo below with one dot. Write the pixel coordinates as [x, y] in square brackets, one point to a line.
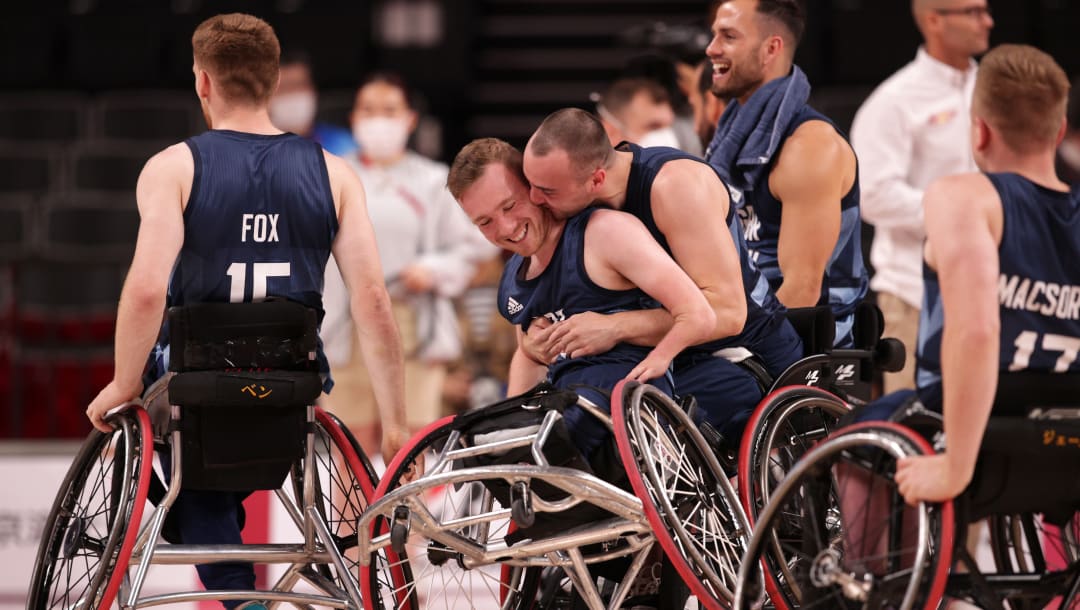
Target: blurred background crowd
[89, 89]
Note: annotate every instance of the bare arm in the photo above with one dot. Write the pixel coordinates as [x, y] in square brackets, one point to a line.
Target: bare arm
[369, 303]
[620, 254]
[884, 145]
[963, 225]
[160, 194]
[590, 333]
[524, 371]
[690, 205]
[815, 170]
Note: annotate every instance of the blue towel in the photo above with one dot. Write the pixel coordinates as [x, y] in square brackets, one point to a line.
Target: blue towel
[748, 136]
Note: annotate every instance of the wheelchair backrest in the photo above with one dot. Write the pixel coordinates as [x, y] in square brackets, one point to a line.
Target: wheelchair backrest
[245, 375]
[816, 327]
[1029, 457]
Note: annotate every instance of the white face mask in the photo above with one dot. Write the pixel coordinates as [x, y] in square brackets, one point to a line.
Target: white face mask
[381, 137]
[660, 137]
[293, 112]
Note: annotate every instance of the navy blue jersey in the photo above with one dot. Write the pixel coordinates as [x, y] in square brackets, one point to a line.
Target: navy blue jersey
[763, 311]
[1038, 287]
[845, 281]
[563, 289]
[259, 223]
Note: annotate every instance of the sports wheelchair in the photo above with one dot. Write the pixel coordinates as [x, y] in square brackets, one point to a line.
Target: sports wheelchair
[239, 418]
[501, 506]
[805, 402]
[837, 534]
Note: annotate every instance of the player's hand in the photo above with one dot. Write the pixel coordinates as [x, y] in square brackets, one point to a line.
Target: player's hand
[393, 439]
[535, 342]
[649, 368]
[584, 334]
[928, 478]
[110, 397]
[417, 279]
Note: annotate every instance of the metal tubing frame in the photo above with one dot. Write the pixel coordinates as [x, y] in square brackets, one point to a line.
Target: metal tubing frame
[306, 518]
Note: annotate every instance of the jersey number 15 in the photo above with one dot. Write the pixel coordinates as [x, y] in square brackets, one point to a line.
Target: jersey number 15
[237, 273]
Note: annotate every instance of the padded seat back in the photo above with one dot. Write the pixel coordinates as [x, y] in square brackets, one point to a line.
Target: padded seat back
[1029, 464]
[245, 375]
[816, 326]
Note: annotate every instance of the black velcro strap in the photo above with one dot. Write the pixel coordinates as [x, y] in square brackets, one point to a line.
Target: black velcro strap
[1021, 391]
[274, 334]
[244, 389]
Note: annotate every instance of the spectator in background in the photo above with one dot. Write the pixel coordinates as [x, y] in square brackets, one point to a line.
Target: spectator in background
[637, 110]
[295, 102]
[1067, 160]
[662, 70]
[428, 249]
[706, 106]
[914, 128]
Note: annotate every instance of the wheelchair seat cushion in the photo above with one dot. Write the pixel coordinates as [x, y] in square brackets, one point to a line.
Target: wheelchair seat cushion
[518, 416]
[1027, 465]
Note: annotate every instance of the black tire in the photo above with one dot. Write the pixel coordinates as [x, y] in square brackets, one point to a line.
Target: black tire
[783, 428]
[95, 518]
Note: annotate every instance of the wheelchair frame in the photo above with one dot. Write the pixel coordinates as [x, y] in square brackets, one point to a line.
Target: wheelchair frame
[403, 513]
[319, 546]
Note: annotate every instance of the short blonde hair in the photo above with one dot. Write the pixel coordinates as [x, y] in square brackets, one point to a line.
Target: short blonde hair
[471, 162]
[1022, 92]
[242, 53]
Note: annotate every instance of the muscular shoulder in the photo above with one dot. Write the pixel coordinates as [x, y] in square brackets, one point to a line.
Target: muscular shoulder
[958, 203]
[972, 191]
[174, 160]
[611, 224]
[687, 183]
[815, 151]
[343, 180]
[171, 168]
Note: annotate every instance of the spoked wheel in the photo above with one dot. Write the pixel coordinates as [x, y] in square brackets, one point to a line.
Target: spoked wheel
[1025, 544]
[344, 482]
[94, 521]
[688, 500]
[782, 429]
[424, 572]
[837, 534]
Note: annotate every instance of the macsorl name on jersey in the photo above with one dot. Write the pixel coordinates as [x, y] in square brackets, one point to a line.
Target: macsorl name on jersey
[1060, 301]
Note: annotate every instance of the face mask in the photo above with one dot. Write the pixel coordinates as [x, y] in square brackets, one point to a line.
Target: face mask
[381, 137]
[660, 137]
[293, 112]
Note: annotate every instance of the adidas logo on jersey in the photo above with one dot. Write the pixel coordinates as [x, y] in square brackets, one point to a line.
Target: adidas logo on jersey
[513, 306]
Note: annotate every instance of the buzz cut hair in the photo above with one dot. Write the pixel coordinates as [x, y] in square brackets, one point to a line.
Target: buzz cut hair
[579, 133]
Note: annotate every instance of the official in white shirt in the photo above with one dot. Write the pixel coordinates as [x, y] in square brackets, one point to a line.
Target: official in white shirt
[914, 128]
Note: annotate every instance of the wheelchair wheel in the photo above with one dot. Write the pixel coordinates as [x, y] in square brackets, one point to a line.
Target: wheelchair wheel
[786, 424]
[1024, 544]
[688, 500]
[344, 484]
[429, 573]
[837, 534]
[91, 529]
